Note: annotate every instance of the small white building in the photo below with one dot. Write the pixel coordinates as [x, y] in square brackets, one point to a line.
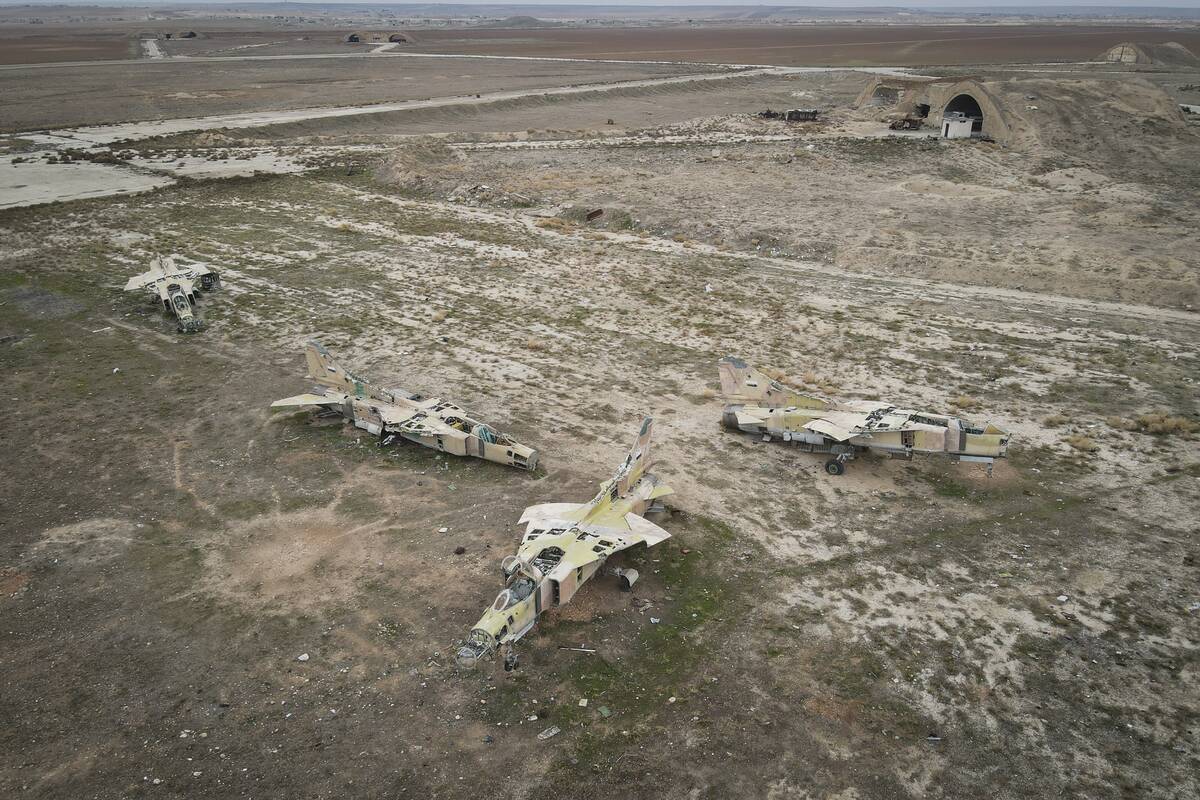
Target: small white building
[957, 125]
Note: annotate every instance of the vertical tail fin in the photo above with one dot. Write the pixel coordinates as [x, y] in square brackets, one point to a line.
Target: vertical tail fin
[733, 372]
[638, 460]
[742, 383]
[603, 509]
[325, 371]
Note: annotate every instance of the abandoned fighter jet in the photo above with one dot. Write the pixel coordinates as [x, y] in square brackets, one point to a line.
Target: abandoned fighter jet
[176, 287]
[758, 404]
[395, 414]
[564, 545]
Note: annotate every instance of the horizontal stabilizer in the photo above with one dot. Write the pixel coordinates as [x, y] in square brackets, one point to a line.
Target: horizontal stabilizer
[303, 400]
[661, 490]
[642, 530]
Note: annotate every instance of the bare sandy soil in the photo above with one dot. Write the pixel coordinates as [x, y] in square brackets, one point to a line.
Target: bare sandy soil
[832, 45]
[35, 49]
[69, 96]
[906, 206]
[169, 549]
[918, 44]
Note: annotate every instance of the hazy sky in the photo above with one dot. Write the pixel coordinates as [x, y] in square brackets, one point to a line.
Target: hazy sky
[975, 4]
[981, 5]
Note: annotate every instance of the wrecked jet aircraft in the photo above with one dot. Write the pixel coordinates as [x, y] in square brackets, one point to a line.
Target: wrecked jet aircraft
[564, 545]
[757, 404]
[176, 288]
[395, 414]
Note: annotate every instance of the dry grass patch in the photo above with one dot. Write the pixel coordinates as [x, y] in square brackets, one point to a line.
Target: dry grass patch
[554, 224]
[1162, 423]
[1082, 443]
[773, 373]
[1156, 423]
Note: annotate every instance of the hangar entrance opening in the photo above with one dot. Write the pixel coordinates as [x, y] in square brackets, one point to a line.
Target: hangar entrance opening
[885, 96]
[968, 107]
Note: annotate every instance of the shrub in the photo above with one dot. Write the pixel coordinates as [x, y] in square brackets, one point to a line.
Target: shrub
[1082, 443]
[1157, 423]
[553, 224]
[1163, 424]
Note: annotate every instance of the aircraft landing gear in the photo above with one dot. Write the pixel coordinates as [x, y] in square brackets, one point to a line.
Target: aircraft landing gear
[510, 660]
[841, 454]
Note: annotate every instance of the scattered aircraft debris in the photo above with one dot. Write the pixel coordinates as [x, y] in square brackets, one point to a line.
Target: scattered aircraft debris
[906, 124]
[757, 404]
[791, 115]
[176, 287]
[564, 545]
[394, 414]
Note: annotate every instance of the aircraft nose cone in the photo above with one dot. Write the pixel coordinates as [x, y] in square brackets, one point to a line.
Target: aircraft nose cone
[466, 657]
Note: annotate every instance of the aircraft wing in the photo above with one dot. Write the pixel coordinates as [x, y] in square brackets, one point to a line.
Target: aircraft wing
[598, 542]
[304, 400]
[746, 419]
[553, 515]
[418, 422]
[838, 426]
[866, 406]
[410, 419]
[142, 281]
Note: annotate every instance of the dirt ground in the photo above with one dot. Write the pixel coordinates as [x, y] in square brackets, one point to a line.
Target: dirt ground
[784, 45]
[77, 47]
[201, 597]
[811, 45]
[81, 95]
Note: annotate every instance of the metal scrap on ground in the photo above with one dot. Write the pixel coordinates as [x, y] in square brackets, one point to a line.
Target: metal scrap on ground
[176, 288]
[757, 404]
[564, 545]
[397, 413]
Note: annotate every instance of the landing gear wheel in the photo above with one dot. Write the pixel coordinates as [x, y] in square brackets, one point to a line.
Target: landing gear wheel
[510, 661]
[835, 467]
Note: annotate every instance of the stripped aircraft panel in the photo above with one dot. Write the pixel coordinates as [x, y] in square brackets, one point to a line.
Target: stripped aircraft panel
[564, 545]
[757, 404]
[395, 414]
